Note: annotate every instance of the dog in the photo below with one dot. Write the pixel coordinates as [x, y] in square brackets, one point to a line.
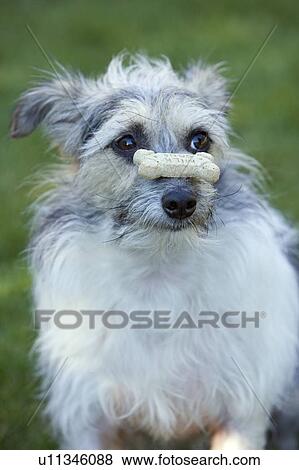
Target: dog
[107, 239]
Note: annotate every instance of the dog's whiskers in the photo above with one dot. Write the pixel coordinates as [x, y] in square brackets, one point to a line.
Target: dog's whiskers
[234, 193]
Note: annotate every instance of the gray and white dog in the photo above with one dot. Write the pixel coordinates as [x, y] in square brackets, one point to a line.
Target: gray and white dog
[106, 239]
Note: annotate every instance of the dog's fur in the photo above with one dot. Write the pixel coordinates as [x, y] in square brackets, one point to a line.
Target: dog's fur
[102, 242]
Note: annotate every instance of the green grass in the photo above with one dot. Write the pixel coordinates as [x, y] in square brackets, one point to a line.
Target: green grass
[85, 35]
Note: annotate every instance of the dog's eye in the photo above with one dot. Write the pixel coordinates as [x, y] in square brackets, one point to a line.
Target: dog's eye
[200, 142]
[126, 143]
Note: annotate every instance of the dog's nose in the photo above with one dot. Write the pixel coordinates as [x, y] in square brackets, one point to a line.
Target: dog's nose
[179, 204]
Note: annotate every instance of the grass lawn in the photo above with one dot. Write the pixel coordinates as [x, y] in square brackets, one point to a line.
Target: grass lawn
[85, 35]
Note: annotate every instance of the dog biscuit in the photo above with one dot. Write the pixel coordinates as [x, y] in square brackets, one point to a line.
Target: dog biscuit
[176, 165]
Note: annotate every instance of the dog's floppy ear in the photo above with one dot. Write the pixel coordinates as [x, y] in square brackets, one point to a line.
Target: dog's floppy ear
[55, 104]
[208, 82]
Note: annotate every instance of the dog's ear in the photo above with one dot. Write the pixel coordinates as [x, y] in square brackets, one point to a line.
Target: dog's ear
[207, 81]
[55, 104]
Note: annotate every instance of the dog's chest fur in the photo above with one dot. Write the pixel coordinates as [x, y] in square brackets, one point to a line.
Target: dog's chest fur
[170, 378]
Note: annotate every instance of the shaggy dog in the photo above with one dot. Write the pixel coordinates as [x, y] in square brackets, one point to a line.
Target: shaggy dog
[108, 240]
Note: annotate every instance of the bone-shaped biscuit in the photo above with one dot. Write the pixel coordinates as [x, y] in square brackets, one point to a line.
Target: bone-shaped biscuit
[176, 165]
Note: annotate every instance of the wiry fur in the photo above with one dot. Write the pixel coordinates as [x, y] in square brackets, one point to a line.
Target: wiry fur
[102, 241]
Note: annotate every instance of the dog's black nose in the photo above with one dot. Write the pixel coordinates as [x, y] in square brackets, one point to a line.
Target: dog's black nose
[179, 204]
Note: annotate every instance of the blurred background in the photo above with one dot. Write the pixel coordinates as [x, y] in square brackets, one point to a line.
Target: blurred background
[85, 35]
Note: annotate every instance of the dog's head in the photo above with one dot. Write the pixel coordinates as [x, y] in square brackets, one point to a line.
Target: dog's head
[101, 123]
